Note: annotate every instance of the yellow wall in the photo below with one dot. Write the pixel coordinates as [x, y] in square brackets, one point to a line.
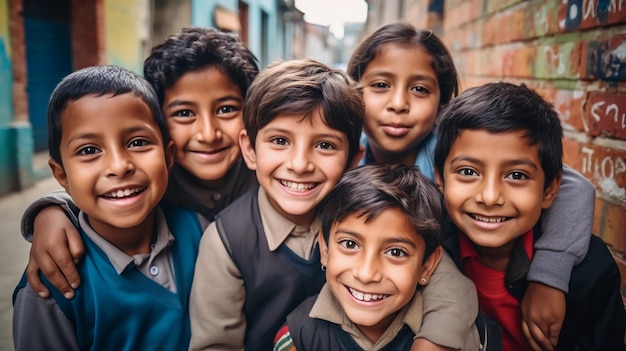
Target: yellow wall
[121, 26]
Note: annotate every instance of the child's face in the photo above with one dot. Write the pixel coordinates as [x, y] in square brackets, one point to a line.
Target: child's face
[401, 95]
[203, 110]
[114, 164]
[493, 186]
[297, 161]
[373, 268]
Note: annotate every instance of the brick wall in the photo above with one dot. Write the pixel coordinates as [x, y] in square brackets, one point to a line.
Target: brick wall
[87, 34]
[573, 52]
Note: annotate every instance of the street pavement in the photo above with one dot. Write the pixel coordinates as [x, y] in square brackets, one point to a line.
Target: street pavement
[14, 250]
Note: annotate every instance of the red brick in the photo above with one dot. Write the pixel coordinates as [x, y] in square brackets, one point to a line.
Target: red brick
[18, 58]
[87, 33]
[568, 103]
[490, 30]
[517, 25]
[593, 16]
[572, 155]
[606, 168]
[475, 9]
[610, 224]
[605, 114]
[542, 19]
[594, 56]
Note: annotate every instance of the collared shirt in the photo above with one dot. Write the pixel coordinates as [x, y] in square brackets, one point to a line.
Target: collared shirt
[493, 296]
[218, 292]
[156, 265]
[31, 307]
[327, 308]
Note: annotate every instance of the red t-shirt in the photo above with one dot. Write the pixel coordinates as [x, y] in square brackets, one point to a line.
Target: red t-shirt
[493, 297]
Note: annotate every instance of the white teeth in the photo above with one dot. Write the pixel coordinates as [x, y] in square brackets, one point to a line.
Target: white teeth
[365, 296]
[123, 193]
[489, 219]
[297, 186]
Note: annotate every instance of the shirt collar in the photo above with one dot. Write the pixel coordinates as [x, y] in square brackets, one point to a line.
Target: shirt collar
[117, 257]
[278, 228]
[326, 307]
[467, 250]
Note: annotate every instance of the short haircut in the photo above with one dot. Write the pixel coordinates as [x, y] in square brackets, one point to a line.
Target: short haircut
[406, 35]
[195, 48]
[98, 81]
[499, 108]
[366, 191]
[300, 87]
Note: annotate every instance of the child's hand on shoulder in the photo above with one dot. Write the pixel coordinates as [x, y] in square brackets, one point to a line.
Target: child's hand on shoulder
[56, 248]
[543, 312]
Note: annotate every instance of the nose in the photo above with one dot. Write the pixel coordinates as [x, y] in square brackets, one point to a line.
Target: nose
[119, 163]
[300, 160]
[490, 193]
[368, 268]
[398, 102]
[207, 129]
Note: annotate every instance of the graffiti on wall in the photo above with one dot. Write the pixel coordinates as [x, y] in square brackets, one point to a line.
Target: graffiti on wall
[607, 59]
[587, 13]
[605, 115]
[605, 169]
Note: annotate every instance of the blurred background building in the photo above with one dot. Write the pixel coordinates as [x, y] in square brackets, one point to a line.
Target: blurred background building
[572, 51]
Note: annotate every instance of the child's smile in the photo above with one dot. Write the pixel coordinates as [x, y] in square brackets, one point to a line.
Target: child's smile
[204, 115]
[114, 165]
[373, 267]
[493, 186]
[297, 161]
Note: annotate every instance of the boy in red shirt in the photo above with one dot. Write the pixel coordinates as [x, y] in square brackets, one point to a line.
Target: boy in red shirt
[498, 163]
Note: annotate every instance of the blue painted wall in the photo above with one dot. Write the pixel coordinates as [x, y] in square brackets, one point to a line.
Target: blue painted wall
[266, 43]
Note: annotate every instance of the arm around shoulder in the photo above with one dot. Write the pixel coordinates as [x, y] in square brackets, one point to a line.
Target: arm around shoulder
[55, 198]
[566, 230]
[450, 308]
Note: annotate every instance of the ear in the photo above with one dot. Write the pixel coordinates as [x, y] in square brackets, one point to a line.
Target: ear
[357, 158]
[170, 152]
[549, 194]
[439, 181]
[59, 174]
[247, 150]
[429, 266]
[323, 248]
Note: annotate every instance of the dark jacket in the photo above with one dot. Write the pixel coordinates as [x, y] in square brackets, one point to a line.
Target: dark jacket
[594, 315]
[320, 335]
[276, 282]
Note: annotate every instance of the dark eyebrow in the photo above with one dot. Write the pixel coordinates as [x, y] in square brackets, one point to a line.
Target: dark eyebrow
[180, 102]
[94, 135]
[413, 77]
[510, 162]
[387, 241]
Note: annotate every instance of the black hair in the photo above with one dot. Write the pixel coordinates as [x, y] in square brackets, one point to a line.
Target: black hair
[404, 34]
[498, 108]
[197, 47]
[300, 87]
[369, 190]
[98, 81]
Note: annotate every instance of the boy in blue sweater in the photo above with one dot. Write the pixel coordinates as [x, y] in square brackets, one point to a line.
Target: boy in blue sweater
[110, 150]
